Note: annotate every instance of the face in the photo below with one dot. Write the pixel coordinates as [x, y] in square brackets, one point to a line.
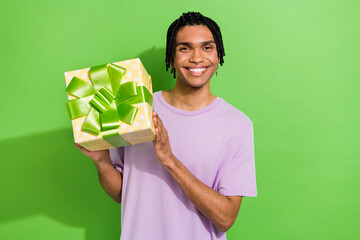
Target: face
[196, 57]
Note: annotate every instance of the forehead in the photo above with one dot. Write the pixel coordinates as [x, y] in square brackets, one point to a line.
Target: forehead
[194, 34]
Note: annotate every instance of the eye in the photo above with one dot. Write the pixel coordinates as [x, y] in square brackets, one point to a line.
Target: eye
[207, 48]
[183, 49]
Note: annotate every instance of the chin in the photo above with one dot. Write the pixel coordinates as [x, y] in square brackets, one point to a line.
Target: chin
[198, 85]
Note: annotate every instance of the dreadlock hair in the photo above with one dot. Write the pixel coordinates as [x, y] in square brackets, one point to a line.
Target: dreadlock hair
[192, 19]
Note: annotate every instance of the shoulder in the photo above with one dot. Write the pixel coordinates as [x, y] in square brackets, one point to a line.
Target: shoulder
[234, 115]
[237, 126]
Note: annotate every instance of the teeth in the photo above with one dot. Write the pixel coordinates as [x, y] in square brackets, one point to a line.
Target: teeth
[197, 70]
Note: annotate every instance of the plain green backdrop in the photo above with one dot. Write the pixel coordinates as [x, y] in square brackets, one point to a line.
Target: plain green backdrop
[292, 66]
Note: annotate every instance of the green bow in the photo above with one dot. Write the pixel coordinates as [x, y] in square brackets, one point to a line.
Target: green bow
[106, 101]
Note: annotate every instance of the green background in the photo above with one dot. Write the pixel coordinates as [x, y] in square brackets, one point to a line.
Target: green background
[291, 66]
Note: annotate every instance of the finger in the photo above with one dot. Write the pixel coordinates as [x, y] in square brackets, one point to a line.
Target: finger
[78, 146]
[81, 147]
[156, 127]
[155, 120]
[157, 135]
[158, 119]
[84, 150]
[154, 114]
[159, 124]
[160, 130]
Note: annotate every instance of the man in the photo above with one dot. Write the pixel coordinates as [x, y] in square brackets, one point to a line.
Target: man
[189, 182]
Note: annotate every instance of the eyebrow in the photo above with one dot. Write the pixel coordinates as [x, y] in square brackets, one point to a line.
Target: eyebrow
[189, 43]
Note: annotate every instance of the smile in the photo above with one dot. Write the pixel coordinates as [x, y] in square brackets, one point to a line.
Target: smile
[197, 70]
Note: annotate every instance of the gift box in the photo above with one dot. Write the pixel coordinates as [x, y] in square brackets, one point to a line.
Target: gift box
[110, 105]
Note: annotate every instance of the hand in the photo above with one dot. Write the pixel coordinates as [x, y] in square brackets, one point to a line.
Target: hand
[161, 142]
[96, 156]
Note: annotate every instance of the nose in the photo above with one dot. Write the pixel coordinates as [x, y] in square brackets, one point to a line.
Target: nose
[196, 56]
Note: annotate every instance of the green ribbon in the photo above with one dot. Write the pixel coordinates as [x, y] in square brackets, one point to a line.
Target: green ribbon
[105, 102]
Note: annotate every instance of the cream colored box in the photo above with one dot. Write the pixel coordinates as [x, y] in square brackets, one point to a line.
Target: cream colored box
[142, 129]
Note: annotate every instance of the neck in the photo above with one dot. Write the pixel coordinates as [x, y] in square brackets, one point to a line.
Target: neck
[189, 99]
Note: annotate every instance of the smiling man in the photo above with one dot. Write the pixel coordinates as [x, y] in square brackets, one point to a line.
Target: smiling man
[189, 182]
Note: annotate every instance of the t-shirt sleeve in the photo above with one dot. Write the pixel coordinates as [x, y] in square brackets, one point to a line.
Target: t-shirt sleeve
[238, 172]
[117, 158]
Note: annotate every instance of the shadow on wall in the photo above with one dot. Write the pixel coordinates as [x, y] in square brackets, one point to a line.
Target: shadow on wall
[154, 62]
[44, 174]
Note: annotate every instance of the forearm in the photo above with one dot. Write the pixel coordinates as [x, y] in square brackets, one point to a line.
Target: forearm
[221, 211]
[110, 179]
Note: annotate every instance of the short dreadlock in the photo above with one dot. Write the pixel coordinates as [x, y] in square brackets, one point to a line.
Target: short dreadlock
[191, 19]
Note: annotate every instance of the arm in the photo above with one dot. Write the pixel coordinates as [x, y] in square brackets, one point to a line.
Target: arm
[110, 179]
[221, 210]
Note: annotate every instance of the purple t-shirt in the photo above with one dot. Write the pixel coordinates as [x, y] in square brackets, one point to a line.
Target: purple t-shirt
[215, 143]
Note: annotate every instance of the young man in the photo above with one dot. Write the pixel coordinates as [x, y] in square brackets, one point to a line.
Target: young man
[188, 183]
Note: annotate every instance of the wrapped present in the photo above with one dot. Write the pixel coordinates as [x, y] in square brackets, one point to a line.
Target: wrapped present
[110, 105]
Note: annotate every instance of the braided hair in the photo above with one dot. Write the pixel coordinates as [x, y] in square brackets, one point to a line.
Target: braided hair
[191, 19]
